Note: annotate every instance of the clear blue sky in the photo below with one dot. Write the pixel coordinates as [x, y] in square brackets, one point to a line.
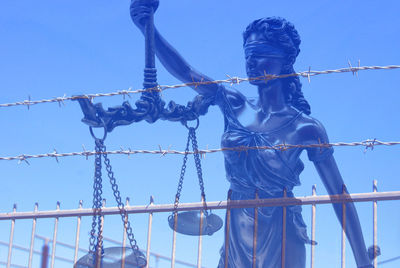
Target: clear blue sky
[52, 48]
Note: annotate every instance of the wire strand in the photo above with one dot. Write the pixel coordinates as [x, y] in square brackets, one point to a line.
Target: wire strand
[367, 144]
[231, 80]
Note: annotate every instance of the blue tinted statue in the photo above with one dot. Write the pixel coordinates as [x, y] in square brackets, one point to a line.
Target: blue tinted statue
[280, 114]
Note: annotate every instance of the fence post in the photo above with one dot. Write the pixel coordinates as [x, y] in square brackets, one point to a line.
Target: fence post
[313, 211]
[255, 232]
[10, 243]
[174, 239]
[227, 227]
[375, 224]
[343, 261]
[283, 231]
[53, 248]
[124, 235]
[99, 248]
[200, 242]
[32, 237]
[149, 231]
[78, 230]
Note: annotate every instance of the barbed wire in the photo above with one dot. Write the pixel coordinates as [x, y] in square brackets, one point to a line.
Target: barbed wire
[367, 144]
[230, 80]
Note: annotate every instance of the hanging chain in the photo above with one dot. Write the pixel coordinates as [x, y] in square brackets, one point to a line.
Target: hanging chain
[196, 155]
[121, 207]
[95, 243]
[182, 176]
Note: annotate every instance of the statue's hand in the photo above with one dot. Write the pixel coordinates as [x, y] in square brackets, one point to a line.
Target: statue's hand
[140, 11]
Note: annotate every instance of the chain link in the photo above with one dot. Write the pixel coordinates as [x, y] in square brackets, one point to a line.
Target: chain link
[121, 207]
[196, 155]
[182, 175]
[197, 161]
[96, 243]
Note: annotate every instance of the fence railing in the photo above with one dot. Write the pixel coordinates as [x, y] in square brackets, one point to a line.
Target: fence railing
[46, 240]
[151, 208]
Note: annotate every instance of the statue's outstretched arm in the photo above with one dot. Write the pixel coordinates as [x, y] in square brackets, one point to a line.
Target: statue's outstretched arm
[330, 176]
[168, 56]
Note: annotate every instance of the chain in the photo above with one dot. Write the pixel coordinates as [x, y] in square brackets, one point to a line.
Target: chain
[121, 207]
[96, 243]
[192, 137]
[101, 151]
[196, 155]
[183, 169]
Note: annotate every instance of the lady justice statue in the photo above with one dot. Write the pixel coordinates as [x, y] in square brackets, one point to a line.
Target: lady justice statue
[279, 115]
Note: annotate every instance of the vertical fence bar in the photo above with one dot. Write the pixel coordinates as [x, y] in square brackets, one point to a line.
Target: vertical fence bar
[124, 235]
[227, 228]
[375, 224]
[149, 231]
[200, 244]
[32, 237]
[78, 230]
[313, 211]
[255, 233]
[53, 248]
[343, 253]
[174, 239]
[283, 231]
[10, 243]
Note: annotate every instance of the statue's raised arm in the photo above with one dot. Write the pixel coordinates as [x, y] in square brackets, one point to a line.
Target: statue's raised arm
[170, 58]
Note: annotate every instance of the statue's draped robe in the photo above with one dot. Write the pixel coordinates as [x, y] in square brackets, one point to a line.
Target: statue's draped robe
[268, 172]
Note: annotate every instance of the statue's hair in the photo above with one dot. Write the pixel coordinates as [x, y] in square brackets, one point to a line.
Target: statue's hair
[282, 34]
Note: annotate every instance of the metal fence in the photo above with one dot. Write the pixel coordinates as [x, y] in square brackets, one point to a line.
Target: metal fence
[152, 208]
[45, 241]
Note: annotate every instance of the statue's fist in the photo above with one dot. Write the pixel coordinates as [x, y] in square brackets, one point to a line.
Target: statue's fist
[141, 9]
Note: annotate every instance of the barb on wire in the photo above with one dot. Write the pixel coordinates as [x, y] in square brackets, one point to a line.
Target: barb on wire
[309, 75]
[55, 155]
[231, 80]
[370, 143]
[354, 70]
[21, 158]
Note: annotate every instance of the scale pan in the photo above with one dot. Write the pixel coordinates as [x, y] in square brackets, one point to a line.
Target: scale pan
[189, 223]
[112, 258]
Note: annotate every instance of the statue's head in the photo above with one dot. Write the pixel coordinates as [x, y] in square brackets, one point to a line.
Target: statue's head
[276, 41]
[277, 33]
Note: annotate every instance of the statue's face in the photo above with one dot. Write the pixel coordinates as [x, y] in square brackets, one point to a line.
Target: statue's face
[262, 58]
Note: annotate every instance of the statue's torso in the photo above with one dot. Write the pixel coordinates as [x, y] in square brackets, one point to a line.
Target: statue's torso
[246, 126]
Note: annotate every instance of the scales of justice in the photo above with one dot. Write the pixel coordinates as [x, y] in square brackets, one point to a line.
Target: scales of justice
[149, 107]
[281, 115]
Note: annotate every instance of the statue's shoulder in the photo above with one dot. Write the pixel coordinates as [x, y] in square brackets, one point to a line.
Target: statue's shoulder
[311, 130]
[235, 98]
